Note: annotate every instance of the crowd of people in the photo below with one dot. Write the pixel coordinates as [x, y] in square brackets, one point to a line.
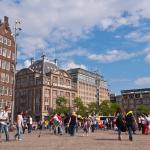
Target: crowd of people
[66, 123]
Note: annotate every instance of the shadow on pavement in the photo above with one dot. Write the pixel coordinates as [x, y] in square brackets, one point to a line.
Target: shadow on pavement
[107, 139]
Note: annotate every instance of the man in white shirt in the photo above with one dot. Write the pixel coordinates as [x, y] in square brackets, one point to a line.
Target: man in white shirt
[3, 123]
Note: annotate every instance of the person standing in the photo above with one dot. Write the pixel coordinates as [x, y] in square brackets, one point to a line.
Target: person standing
[29, 124]
[93, 122]
[4, 119]
[19, 126]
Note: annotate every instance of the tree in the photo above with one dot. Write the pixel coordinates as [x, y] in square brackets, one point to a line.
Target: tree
[93, 107]
[80, 108]
[113, 108]
[61, 103]
[105, 108]
[143, 109]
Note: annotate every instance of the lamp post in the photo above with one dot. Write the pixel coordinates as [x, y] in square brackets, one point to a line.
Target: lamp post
[15, 34]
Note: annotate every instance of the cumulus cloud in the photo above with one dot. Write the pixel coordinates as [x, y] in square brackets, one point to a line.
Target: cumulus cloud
[112, 56]
[25, 64]
[57, 24]
[139, 36]
[142, 81]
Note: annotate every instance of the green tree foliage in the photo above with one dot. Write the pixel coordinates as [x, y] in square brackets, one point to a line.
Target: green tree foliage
[61, 103]
[80, 108]
[108, 108]
[93, 107]
[105, 108]
[143, 109]
[113, 108]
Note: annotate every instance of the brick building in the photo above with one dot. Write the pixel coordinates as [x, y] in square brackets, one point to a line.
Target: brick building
[7, 60]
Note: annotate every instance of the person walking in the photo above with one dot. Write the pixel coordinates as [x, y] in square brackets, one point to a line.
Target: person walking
[120, 122]
[72, 124]
[4, 119]
[130, 121]
[66, 121]
[19, 126]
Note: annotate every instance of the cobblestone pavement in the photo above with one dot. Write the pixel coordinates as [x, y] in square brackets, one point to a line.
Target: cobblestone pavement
[100, 140]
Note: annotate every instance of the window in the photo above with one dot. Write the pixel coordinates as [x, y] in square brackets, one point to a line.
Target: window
[7, 78]
[7, 65]
[5, 40]
[1, 51]
[10, 91]
[8, 42]
[55, 79]
[8, 54]
[67, 82]
[61, 93]
[61, 81]
[4, 52]
[11, 79]
[13, 56]
[1, 90]
[2, 77]
[3, 64]
[1, 39]
[5, 90]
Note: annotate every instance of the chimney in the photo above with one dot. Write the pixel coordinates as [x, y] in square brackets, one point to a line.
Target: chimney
[6, 19]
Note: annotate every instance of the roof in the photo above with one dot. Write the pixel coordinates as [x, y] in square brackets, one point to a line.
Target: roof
[135, 91]
[43, 66]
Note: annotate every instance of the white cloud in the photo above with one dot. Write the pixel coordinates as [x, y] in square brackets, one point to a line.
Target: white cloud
[72, 65]
[112, 56]
[139, 36]
[147, 58]
[142, 81]
[58, 22]
[27, 63]
[47, 24]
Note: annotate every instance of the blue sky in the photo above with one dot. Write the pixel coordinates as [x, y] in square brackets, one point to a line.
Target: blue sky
[111, 37]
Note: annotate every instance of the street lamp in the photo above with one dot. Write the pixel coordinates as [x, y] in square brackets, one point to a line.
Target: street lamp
[15, 34]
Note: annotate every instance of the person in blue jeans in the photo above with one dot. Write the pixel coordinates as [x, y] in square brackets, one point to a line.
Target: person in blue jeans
[19, 126]
[129, 123]
[4, 123]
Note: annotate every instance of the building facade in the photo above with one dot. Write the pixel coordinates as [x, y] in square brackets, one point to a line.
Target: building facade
[91, 87]
[38, 86]
[7, 60]
[131, 99]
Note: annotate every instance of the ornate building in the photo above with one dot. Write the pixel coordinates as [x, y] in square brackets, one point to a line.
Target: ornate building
[38, 86]
[91, 87]
[7, 60]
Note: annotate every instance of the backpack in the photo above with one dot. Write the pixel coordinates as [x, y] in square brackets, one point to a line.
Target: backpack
[120, 122]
